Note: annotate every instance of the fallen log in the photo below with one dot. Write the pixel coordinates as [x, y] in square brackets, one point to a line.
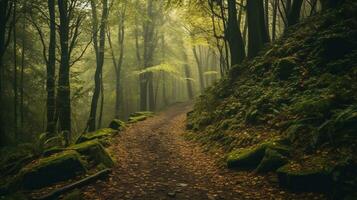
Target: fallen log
[80, 183]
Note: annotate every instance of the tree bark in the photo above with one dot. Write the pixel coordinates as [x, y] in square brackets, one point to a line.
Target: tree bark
[257, 32]
[5, 12]
[234, 35]
[199, 67]
[15, 71]
[63, 91]
[51, 70]
[293, 16]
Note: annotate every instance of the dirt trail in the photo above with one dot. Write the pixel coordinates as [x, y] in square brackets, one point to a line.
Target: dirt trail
[155, 162]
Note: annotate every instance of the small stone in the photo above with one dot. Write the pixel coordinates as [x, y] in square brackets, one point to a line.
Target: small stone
[171, 194]
[182, 185]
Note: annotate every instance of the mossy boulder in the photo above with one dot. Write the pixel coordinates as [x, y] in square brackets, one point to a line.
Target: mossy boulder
[117, 124]
[99, 134]
[95, 152]
[284, 68]
[250, 158]
[271, 161]
[139, 116]
[46, 171]
[246, 158]
[312, 176]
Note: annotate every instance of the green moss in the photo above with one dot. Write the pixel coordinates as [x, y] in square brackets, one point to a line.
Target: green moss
[271, 161]
[139, 116]
[117, 124]
[142, 113]
[99, 134]
[94, 151]
[46, 171]
[249, 158]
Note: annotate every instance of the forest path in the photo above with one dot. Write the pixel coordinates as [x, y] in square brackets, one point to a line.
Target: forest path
[155, 162]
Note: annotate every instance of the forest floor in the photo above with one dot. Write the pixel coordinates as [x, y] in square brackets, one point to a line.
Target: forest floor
[154, 162]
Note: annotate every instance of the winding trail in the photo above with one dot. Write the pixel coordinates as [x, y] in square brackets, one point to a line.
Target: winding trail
[155, 162]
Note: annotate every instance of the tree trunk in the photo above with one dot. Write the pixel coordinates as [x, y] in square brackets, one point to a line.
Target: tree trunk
[15, 71]
[234, 35]
[199, 67]
[22, 76]
[5, 12]
[63, 91]
[51, 70]
[99, 48]
[257, 32]
[275, 13]
[293, 16]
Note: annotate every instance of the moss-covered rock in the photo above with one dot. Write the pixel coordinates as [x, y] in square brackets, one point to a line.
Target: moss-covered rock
[46, 171]
[139, 116]
[250, 158]
[313, 176]
[117, 124]
[271, 161]
[245, 158]
[142, 113]
[94, 151]
[99, 134]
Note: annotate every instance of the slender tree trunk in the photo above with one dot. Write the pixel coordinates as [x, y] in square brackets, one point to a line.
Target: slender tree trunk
[199, 67]
[275, 13]
[63, 99]
[15, 72]
[22, 76]
[51, 70]
[101, 102]
[266, 8]
[188, 75]
[99, 59]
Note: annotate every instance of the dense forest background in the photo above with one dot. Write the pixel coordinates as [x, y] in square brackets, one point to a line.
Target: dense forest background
[74, 65]
[124, 89]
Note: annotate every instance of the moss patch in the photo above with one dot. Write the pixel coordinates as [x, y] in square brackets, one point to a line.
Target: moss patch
[94, 151]
[99, 134]
[139, 116]
[46, 171]
[249, 158]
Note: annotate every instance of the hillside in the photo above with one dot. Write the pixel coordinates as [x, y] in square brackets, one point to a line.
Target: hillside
[292, 109]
